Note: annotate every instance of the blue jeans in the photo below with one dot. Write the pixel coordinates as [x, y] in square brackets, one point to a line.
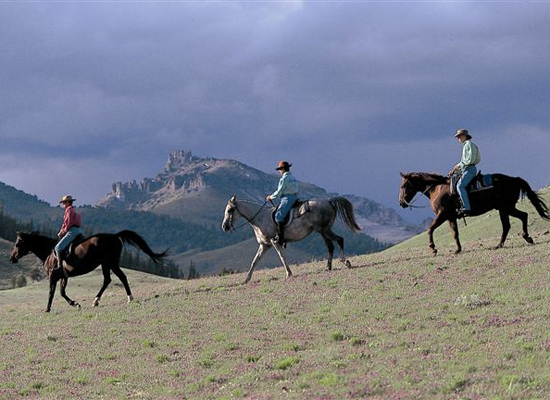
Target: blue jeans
[467, 175]
[66, 240]
[285, 205]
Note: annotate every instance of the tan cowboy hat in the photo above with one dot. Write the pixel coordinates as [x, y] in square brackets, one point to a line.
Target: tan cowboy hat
[463, 132]
[283, 165]
[68, 198]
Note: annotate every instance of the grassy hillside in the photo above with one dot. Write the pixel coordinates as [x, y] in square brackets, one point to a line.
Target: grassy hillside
[401, 324]
[25, 207]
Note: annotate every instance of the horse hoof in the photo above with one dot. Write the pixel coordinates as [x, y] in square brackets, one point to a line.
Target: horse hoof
[130, 298]
[348, 263]
[529, 240]
[95, 303]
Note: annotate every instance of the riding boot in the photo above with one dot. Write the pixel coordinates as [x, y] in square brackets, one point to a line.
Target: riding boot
[280, 238]
[60, 265]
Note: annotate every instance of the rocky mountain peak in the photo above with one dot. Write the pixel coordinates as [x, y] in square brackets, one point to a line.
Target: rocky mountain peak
[179, 159]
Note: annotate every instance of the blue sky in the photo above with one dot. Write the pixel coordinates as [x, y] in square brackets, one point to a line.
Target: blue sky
[351, 92]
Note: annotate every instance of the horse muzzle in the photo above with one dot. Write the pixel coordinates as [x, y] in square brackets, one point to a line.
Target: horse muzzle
[227, 226]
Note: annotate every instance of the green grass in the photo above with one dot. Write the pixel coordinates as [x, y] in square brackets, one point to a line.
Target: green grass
[400, 324]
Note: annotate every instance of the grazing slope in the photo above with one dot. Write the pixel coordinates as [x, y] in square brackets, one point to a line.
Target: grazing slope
[402, 324]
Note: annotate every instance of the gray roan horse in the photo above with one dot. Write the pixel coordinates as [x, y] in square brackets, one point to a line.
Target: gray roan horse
[320, 217]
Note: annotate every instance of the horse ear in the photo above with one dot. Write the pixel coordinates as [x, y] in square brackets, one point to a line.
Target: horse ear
[402, 174]
[233, 198]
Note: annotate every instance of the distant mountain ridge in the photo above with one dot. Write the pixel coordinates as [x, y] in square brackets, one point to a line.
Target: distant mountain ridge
[196, 189]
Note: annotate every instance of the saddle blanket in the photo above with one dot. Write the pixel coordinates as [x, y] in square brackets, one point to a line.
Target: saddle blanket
[480, 182]
[298, 209]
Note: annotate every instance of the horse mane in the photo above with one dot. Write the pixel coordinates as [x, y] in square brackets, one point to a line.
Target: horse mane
[429, 177]
[37, 235]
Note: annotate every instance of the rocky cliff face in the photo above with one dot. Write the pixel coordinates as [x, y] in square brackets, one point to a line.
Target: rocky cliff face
[197, 189]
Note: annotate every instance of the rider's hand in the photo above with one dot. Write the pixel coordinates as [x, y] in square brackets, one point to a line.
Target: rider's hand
[268, 198]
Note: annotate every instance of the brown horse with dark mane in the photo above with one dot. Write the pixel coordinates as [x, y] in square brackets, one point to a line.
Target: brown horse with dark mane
[502, 196]
[102, 249]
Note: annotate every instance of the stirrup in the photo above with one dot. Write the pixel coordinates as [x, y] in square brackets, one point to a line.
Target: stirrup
[277, 240]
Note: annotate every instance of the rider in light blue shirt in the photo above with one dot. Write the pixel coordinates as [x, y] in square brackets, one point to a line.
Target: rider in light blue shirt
[467, 167]
[287, 191]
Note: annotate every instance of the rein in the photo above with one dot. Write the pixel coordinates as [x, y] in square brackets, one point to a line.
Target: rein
[410, 204]
[248, 220]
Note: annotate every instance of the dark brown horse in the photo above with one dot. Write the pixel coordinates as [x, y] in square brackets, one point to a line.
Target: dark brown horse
[102, 249]
[503, 197]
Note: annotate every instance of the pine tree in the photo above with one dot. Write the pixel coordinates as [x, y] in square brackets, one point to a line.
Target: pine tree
[193, 274]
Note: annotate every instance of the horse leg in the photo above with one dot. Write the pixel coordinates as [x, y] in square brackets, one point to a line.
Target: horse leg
[454, 228]
[330, 248]
[62, 289]
[53, 284]
[438, 220]
[329, 236]
[261, 249]
[523, 216]
[106, 281]
[279, 250]
[340, 241]
[122, 276]
[505, 220]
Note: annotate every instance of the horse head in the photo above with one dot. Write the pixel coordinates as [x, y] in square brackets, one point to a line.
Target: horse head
[407, 191]
[20, 249]
[26, 243]
[229, 215]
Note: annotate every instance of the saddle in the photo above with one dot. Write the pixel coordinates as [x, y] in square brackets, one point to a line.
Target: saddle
[298, 209]
[51, 262]
[479, 183]
[72, 246]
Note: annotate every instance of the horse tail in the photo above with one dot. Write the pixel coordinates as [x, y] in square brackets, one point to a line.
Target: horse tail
[344, 208]
[133, 239]
[535, 199]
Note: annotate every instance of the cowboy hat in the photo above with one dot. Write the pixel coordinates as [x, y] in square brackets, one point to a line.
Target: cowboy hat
[68, 198]
[283, 165]
[463, 132]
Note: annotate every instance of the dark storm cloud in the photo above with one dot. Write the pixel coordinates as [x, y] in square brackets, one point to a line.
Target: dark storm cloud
[364, 89]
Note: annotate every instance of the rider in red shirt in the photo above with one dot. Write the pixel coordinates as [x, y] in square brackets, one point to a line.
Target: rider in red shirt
[70, 229]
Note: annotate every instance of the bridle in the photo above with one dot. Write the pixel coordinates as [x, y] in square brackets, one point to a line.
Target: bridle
[410, 204]
[248, 220]
[17, 252]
